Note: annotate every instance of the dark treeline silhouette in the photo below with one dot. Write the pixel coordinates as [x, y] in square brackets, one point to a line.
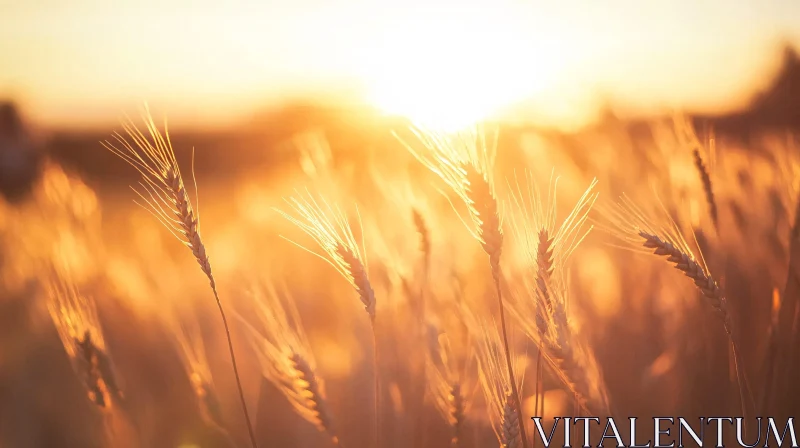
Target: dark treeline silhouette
[775, 109]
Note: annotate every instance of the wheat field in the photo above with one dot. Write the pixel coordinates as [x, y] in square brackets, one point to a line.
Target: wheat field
[392, 285]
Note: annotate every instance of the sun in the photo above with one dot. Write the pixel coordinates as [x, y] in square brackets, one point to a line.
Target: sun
[448, 68]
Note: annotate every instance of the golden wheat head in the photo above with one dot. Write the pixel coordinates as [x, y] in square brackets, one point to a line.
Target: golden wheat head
[162, 187]
[285, 356]
[662, 237]
[545, 247]
[330, 229]
[75, 318]
[465, 162]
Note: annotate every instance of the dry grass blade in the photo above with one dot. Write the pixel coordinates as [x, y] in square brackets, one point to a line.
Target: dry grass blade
[164, 194]
[285, 356]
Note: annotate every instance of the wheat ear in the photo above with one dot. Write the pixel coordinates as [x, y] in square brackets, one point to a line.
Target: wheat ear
[510, 437]
[425, 249]
[424, 235]
[310, 396]
[544, 266]
[686, 264]
[360, 280]
[164, 194]
[705, 178]
[457, 414]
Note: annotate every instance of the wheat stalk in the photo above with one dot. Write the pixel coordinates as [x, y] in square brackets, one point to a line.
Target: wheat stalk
[164, 194]
[285, 356]
[543, 298]
[464, 162]
[633, 225]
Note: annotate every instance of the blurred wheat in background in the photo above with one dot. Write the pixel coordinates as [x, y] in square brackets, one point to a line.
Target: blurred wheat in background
[466, 242]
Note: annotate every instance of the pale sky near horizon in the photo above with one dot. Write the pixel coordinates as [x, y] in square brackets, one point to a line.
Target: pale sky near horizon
[84, 61]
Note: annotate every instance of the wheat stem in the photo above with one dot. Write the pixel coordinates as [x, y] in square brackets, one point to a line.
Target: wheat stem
[239, 388]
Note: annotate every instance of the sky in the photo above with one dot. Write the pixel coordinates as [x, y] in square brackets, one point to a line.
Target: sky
[84, 62]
